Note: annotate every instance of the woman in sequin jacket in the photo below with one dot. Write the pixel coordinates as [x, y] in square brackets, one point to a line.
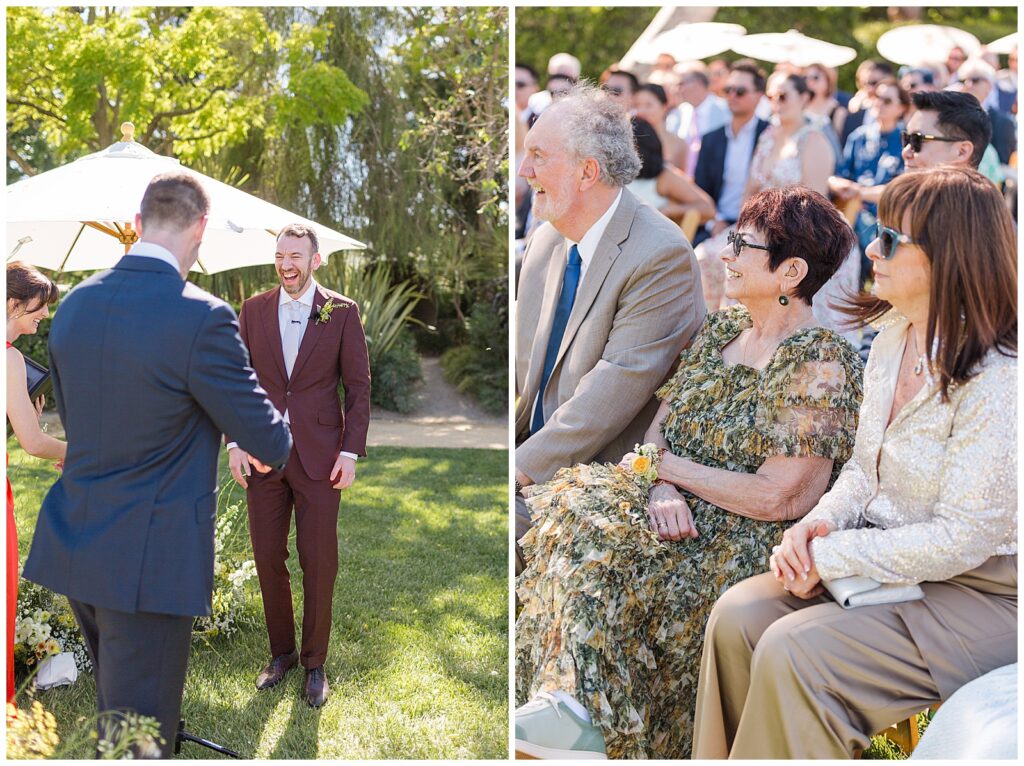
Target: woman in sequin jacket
[929, 498]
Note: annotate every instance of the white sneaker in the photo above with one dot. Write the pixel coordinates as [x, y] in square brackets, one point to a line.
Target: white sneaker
[547, 729]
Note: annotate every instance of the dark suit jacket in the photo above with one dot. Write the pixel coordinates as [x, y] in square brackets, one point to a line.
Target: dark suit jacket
[1004, 135]
[711, 164]
[148, 371]
[330, 352]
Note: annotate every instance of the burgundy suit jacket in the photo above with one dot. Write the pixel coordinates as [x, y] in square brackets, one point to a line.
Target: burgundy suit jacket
[331, 352]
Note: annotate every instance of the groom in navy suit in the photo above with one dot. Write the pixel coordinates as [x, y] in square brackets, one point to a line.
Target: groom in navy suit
[148, 372]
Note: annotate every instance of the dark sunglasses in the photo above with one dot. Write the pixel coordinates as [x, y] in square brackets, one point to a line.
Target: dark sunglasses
[890, 239]
[735, 91]
[916, 140]
[738, 242]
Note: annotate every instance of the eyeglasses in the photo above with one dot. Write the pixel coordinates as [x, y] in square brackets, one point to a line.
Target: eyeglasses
[611, 90]
[738, 91]
[738, 242]
[890, 239]
[916, 140]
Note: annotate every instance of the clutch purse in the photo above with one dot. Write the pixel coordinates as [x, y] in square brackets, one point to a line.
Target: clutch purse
[851, 592]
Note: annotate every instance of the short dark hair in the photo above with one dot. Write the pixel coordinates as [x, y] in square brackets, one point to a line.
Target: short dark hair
[300, 230]
[748, 66]
[959, 116]
[696, 74]
[799, 83]
[800, 223]
[531, 70]
[648, 146]
[634, 83]
[655, 90]
[884, 67]
[174, 199]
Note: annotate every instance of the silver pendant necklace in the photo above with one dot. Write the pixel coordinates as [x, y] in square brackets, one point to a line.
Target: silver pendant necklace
[919, 367]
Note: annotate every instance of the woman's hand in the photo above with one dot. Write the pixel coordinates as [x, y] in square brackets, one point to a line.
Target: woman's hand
[39, 404]
[670, 514]
[791, 560]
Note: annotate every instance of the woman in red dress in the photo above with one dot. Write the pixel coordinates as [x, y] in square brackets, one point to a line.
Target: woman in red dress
[29, 294]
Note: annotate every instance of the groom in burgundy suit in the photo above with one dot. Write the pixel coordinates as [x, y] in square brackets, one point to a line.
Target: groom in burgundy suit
[303, 340]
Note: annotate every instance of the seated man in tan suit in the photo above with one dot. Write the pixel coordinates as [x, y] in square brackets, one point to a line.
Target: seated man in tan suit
[609, 295]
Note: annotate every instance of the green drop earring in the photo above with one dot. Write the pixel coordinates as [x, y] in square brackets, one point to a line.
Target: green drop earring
[783, 300]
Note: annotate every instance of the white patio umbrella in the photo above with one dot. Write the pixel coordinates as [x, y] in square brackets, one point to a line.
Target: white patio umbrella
[79, 217]
[923, 43]
[690, 41]
[794, 47]
[1003, 44]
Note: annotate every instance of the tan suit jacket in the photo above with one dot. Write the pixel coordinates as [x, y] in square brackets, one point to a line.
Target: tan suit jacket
[637, 306]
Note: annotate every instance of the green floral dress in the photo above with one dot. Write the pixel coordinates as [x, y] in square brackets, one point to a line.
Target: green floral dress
[615, 615]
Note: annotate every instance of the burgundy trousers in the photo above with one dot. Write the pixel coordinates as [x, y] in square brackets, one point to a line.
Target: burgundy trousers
[272, 496]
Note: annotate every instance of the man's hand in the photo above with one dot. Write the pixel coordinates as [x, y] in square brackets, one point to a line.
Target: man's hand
[344, 472]
[791, 561]
[239, 462]
[523, 479]
[669, 513]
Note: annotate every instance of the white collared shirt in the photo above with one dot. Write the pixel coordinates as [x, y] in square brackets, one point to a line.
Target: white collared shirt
[739, 153]
[284, 315]
[588, 242]
[145, 249]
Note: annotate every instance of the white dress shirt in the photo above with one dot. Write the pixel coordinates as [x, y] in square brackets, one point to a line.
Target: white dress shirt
[145, 249]
[284, 316]
[738, 154]
[587, 246]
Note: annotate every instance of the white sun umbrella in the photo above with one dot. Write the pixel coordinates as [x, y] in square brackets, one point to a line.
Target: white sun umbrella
[793, 47]
[79, 217]
[1003, 44]
[687, 42]
[923, 43]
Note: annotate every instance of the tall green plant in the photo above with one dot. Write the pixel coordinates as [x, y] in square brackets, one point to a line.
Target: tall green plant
[385, 308]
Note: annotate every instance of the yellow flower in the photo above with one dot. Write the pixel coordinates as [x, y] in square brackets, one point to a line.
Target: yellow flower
[641, 464]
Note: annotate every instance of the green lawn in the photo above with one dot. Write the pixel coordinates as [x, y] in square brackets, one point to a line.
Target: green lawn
[418, 662]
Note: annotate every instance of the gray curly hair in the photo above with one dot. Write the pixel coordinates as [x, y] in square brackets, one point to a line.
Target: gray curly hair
[596, 127]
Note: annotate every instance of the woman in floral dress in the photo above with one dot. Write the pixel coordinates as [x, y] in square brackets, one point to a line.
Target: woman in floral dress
[757, 422]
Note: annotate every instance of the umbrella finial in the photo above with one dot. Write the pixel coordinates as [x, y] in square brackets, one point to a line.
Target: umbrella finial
[127, 131]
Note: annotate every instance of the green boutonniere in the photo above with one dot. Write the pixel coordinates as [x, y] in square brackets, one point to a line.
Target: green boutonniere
[323, 315]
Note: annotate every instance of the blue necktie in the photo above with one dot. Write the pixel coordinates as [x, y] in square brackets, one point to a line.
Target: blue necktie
[565, 300]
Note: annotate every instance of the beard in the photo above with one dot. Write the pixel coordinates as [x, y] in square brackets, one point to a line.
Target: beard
[553, 205]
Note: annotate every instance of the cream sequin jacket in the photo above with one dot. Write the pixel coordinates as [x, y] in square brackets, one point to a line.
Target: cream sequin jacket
[935, 494]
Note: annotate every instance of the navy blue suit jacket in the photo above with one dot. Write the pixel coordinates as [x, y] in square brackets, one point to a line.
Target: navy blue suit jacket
[711, 163]
[148, 372]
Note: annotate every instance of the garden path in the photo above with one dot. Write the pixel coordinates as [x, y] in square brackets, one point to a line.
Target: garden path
[442, 417]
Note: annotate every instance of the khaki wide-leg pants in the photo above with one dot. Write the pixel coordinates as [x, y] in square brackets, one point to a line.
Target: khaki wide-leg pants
[782, 677]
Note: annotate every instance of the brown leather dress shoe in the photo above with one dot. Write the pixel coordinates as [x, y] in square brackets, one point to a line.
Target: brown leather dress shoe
[317, 687]
[275, 670]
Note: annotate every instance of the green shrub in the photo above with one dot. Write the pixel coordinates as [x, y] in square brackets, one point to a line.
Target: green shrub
[480, 367]
[394, 373]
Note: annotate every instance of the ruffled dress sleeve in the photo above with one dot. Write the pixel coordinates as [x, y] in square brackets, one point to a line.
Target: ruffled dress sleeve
[811, 399]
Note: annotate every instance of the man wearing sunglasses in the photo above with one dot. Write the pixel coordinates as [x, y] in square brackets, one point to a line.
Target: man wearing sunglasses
[723, 164]
[947, 128]
[979, 79]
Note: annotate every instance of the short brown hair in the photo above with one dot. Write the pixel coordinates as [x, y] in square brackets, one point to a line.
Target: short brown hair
[300, 230]
[29, 287]
[174, 200]
[959, 219]
[800, 223]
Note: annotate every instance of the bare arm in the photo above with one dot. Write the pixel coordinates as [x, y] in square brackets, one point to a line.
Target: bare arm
[783, 487]
[684, 195]
[23, 416]
[817, 163]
